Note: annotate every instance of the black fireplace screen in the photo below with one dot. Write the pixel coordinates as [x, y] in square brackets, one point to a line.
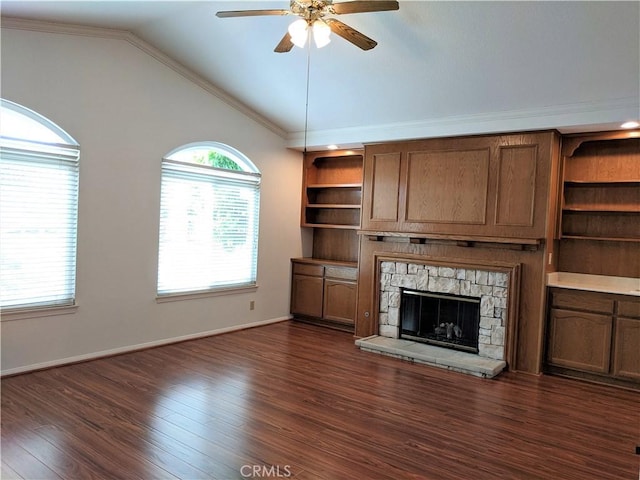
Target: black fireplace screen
[441, 319]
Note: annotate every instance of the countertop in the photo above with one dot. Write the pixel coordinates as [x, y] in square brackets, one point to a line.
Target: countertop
[595, 283]
[320, 261]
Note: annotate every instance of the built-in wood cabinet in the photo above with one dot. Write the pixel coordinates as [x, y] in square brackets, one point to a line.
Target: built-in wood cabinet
[307, 288]
[599, 227]
[595, 336]
[580, 327]
[533, 199]
[483, 186]
[324, 286]
[324, 291]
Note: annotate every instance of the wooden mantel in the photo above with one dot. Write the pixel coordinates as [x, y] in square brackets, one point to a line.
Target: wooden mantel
[459, 240]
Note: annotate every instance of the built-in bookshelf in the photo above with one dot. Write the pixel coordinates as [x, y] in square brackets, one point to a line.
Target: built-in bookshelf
[599, 227]
[331, 202]
[601, 191]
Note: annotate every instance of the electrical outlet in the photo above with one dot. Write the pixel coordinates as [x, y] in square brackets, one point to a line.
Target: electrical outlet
[252, 305]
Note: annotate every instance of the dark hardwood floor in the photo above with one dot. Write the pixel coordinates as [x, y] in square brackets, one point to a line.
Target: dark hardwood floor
[301, 401]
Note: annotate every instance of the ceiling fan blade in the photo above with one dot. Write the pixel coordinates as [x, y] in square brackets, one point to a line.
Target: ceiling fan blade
[285, 44]
[350, 34]
[364, 6]
[251, 13]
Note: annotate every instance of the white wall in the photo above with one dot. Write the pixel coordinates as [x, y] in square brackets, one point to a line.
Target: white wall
[127, 109]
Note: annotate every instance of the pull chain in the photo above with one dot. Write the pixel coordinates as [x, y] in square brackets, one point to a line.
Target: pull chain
[306, 107]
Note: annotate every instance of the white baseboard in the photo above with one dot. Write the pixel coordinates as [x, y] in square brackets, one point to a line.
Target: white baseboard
[133, 348]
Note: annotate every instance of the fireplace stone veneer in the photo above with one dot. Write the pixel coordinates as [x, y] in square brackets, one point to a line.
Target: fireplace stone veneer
[490, 287]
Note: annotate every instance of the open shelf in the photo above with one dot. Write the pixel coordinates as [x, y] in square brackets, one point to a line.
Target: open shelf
[601, 239]
[335, 185]
[603, 209]
[329, 214]
[602, 183]
[602, 197]
[348, 195]
[335, 168]
[601, 190]
[332, 205]
[331, 202]
[600, 224]
[331, 225]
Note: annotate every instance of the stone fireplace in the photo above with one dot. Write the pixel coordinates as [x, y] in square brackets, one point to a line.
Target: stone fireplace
[490, 288]
[466, 295]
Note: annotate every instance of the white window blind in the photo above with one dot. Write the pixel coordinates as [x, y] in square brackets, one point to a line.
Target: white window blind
[38, 221]
[208, 228]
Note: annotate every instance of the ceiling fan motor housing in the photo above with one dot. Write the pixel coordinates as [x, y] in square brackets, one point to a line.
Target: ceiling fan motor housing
[311, 10]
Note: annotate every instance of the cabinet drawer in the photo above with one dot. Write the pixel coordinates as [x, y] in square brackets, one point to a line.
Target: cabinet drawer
[582, 301]
[308, 269]
[629, 309]
[344, 273]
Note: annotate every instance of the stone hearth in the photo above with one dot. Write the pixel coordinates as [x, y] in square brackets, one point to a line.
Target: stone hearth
[417, 352]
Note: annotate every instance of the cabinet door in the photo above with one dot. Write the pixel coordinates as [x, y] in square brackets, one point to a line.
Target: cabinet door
[494, 186]
[306, 296]
[381, 191]
[340, 300]
[446, 187]
[626, 356]
[579, 340]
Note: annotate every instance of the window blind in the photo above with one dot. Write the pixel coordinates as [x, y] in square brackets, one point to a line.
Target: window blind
[208, 228]
[38, 223]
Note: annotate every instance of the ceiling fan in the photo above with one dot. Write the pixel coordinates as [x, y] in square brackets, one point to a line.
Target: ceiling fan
[312, 13]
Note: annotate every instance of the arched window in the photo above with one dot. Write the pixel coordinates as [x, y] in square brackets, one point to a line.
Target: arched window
[38, 210]
[209, 211]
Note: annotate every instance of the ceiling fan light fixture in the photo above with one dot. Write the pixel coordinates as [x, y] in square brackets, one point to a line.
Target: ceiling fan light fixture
[298, 32]
[321, 33]
[311, 15]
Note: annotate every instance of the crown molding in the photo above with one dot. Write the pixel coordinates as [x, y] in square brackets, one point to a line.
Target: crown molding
[147, 48]
[568, 118]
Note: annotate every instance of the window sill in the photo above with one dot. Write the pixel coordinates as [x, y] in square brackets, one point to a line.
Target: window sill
[24, 313]
[176, 297]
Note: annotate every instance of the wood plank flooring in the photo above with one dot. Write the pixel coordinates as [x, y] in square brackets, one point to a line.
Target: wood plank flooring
[292, 400]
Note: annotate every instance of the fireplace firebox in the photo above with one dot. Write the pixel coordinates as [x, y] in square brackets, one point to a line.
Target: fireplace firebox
[440, 319]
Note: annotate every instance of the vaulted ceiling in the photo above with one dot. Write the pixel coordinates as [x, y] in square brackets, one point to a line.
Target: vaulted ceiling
[440, 68]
